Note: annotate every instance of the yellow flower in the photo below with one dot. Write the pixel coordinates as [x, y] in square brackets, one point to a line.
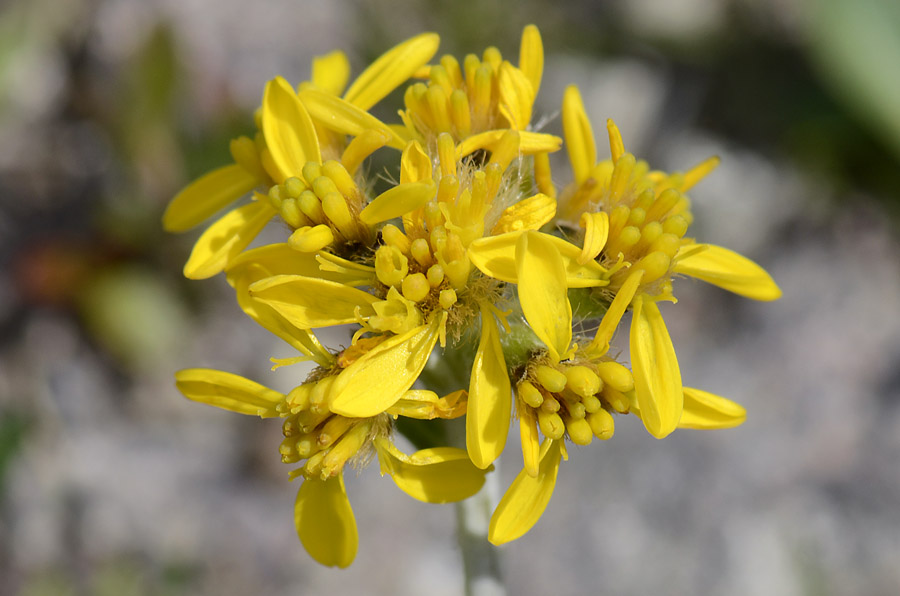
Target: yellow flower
[417, 289]
[288, 152]
[476, 101]
[570, 390]
[327, 442]
[635, 220]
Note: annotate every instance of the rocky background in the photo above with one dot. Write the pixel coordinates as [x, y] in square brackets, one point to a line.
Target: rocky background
[113, 484]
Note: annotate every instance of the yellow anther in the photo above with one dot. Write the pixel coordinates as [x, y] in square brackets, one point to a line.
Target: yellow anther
[550, 404]
[290, 428]
[480, 96]
[551, 424]
[621, 176]
[582, 380]
[618, 400]
[421, 252]
[342, 180]
[663, 204]
[447, 298]
[433, 216]
[493, 57]
[291, 214]
[627, 238]
[391, 266]
[676, 224]
[618, 219]
[616, 376]
[311, 171]
[346, 448]
[324, 186]
[276, 196]
[311, 206]
[530, 394]
[415, 287]
[459, 113]
[319, 394]
[299, 396]
[439, 108]
[458, 272]
[294, 186]
[576, 410]
[288, 451]
[645, 199]
[471, 63]
[311, 239]
[361, 147]
[602, 424]
[649, 234]
[579, 431]
[667, 244]
[335, 207]
[313, 466]
[307, 445]
[333, 430]
[551, 379]
[446, 154]
[439, 76]
[591, 404]
[394, 237]
[616, 146]
[637, 216]
[435, 275]
[448, 187]
[654, 266]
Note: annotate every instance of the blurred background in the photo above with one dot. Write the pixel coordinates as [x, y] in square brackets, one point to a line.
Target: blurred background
[111, 483]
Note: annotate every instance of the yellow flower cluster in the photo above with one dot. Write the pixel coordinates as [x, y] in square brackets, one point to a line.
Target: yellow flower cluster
[467, 247]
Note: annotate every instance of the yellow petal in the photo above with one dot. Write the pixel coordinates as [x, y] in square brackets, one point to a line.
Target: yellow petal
[281, 259]
[391, 70]
[376, 381]
[228, 391]
[308, 302]
[703, 410]
[596, 232]
[415, 164]
[437, 475]
[542, 292]
[728, 270]
[516, 96]
[496, 256]
[529, 142]
[524, 503]
[610, 321]
[531, 443]
[325, 522]
[528, 214]
[331, 72]
[206, 195]
[303, 340]
[579, 136]
[490, 402]
[342, 116]
[657, 379]
[531, 56]
[397, 201]
[228, 236]
[288, 129]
